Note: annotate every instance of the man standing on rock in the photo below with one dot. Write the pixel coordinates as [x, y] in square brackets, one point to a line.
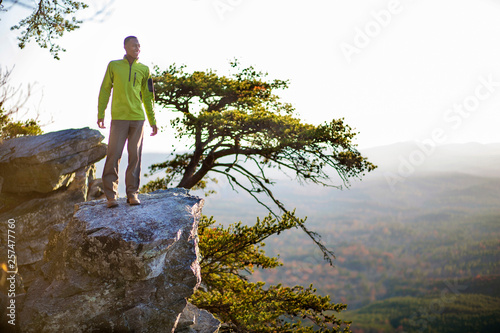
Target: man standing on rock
[132, 87]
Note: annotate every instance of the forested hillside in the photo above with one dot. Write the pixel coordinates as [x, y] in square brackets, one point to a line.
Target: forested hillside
[400, 249]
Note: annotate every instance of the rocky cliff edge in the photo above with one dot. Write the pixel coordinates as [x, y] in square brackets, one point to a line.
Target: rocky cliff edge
[83, 267]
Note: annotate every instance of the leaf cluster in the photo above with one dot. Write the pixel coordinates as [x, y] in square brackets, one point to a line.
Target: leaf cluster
[48, 22]
[229, 255]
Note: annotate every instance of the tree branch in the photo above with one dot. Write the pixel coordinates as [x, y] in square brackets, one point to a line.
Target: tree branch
[316, 238]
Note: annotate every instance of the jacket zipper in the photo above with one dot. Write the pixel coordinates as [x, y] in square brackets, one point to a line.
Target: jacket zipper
[135, 76]
[129, 72]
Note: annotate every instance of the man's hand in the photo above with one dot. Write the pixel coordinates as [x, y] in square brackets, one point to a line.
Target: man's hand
[100, 123]
[155, 130]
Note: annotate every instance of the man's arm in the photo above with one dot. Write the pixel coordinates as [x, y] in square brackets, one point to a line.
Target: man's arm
[147, 90]
[104, 93]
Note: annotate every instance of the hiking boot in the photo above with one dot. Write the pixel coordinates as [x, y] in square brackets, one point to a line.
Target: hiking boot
[133, 200]
[112, 203]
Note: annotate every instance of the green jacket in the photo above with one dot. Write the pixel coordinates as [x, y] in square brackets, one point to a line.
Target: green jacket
[132, 86]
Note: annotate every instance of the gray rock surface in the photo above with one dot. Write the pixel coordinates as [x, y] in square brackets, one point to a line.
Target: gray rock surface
[36, 217]
[124, 269]
[36, 213]
[48, 162]
[194, 320]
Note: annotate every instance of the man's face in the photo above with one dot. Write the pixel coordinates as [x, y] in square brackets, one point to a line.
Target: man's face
[133, 48]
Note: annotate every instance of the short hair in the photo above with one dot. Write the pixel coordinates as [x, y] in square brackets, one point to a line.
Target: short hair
[125, 41]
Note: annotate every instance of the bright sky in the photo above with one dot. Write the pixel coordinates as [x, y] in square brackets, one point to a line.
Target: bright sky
[396, 70]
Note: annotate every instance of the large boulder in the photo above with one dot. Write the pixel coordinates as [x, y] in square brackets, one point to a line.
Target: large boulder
[65, 158]
[124, 269]
[36, 164]
[48, 162]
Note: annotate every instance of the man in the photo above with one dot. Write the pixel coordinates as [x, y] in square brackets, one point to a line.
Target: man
[132, 87]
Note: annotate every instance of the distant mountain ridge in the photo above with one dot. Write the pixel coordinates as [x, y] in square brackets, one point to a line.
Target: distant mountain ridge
[470, 158]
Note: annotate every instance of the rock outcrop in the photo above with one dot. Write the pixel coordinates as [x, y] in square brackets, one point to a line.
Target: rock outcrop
[126, 269]
[62, 161]
[48, 162]
[87, 268]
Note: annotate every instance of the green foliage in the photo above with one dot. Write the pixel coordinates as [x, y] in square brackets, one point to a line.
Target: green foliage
[48, 22]
[229, 255]
[237, 127]
[10, 128]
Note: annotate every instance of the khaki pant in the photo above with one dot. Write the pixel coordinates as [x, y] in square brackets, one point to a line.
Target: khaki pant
[121, 131]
